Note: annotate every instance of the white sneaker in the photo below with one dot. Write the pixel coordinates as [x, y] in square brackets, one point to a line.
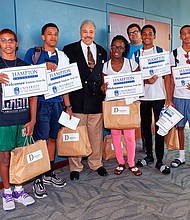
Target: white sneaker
[8, 202]
[23, 197]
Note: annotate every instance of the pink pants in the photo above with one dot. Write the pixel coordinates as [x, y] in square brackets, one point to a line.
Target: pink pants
[130, 145]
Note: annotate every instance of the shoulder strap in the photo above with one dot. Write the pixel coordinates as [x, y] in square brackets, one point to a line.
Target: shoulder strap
[107, 64]
[175, 56]
[137, 54]
[159, 49]
[37, 54]
[130, 65]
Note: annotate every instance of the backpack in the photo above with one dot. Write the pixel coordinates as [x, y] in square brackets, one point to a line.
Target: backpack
[37, 54]
[137, 53]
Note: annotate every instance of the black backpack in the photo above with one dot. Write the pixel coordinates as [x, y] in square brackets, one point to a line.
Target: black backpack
[175, 56]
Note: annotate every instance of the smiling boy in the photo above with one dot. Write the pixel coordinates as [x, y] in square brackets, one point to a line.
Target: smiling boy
[154, 100]
[14, 118]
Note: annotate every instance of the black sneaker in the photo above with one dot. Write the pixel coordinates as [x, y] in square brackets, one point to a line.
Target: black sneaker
[163, 168]
[54, 179]
[39, 189]
[144, 162]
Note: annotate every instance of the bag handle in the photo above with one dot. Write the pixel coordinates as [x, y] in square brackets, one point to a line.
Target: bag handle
[28, 140]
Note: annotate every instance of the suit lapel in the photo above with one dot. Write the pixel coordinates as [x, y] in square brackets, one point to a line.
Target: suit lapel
[80, 54]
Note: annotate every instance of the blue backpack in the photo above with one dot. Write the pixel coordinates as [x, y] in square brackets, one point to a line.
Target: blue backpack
[137, 53]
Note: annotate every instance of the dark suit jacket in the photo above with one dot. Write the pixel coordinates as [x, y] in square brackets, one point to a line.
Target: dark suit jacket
[87, 100]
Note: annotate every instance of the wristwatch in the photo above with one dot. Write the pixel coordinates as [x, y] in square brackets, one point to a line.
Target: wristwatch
[68, 106]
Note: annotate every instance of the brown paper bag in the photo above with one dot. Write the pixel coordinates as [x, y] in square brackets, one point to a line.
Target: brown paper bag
[73, 142]
[108, 148]
[118, 115]
[28, 162]
[172, 140]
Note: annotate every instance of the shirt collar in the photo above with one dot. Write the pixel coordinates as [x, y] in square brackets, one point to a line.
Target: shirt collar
[84, 46]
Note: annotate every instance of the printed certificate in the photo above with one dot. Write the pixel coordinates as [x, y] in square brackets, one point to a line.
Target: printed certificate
[124, 85]
[181, 75]
[155, 64]
[169, 118]
[25, 81]
[63, 81]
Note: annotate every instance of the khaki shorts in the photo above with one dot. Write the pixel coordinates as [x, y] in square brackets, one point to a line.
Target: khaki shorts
[11, 137]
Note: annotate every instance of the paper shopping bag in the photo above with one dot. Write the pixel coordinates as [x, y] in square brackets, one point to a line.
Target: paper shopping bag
[108, 147]
[28, 162]
[118, 115]
[73, 142]
[172, 140]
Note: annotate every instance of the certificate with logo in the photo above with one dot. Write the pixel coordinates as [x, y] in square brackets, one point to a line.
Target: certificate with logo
[63, 81]
[124, 85]
[25, 81]
[169, 118]
[181, 75]
[155, 64]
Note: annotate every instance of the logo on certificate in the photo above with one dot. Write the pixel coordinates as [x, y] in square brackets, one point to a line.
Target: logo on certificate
[54, 88]
[116, 92]
[183, 82]
[16, 90]
[151, 72]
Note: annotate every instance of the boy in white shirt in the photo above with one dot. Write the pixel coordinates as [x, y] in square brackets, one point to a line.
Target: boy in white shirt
[181, 97]
[153, 100]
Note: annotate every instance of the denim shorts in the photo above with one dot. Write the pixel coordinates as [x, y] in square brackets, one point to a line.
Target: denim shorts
[11, 137]
[47, 125]
[183, 106]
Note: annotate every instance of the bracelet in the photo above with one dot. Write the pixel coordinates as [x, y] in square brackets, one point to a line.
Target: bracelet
[68, 106]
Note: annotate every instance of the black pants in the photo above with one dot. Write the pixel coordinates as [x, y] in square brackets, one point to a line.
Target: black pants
[146, 108]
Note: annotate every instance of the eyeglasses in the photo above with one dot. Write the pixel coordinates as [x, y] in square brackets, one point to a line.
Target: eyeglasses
[184, 33]
[187, 57]
[133, 33]
[113, 47]
[4, 40]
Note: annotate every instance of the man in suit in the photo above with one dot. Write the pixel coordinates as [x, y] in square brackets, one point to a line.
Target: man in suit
[86, 103]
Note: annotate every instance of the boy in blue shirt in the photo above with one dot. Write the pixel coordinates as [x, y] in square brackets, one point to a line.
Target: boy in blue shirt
[48, 111]
[134, 34]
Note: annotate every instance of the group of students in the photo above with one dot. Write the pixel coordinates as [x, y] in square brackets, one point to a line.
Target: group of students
[153, 99]
[159, 92]
[39, 117]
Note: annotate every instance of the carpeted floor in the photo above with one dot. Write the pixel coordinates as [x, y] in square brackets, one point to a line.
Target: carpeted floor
[152, 196]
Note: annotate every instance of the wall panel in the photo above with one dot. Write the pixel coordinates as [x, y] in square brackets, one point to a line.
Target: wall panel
[67, 17]
[177, 10]
[7, 14]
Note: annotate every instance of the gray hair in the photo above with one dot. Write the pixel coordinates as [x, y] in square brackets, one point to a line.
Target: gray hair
[86, 22]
